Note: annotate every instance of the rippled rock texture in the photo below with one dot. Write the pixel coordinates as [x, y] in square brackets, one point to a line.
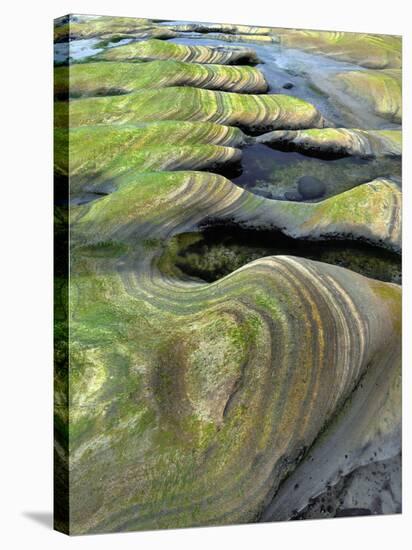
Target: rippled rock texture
[338, 141]
[94, 79]
[380, 90]
[223, 357]
[373, 51]
[149, 50]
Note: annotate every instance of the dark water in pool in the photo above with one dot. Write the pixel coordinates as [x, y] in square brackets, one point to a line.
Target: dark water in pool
[219, 251]
[272, 173]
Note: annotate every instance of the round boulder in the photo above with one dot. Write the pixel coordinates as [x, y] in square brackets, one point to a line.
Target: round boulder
[310, 187]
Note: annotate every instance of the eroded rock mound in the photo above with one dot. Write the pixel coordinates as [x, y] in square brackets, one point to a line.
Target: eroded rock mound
[195, 403]
[338, 141]
[95, 79]
[372, 51]
[149, 50]
[219, 411]
[254, 112]
[110, 27]
[379, 90]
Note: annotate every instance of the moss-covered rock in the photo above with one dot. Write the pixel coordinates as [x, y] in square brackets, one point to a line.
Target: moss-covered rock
[381, 91]
[224, 28]
[106, 27]
[248, 38]
[180, 372]
[195, 403]
[254, 112]
[149, 50]
[368, 50]
[116, 78]
[338, 141]
[100, 154]
[228, 33]
[370, 211]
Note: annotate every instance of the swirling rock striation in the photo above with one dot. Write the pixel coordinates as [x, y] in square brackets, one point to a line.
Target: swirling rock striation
[111, 27]
[229, 402]
[194, 403]
[94, 79]
[338, 141]
[103, 153]
[223, 28]
[372, 51]
[379, 90]
[253, 112]
[150, 50]
[370, 211]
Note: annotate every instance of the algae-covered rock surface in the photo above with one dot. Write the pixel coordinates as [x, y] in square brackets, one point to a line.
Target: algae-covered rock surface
[110, 27]
[149, 50]
[253, 112]
[338, 142]
[228, 269]
[116, 78]
[381, 90]
[368, 50]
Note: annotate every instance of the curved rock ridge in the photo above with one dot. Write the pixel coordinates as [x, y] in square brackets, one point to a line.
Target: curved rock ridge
[102, 153]
[366, 431]
[212, 402]
[116, 78]
[108, 27]
[372, 51]
[369, 212]
[223, 28]
[338, 141]
[94, 147]
[228, 33]
[236, 401]
[379, 90]
[253, 112]
[150, 50]
[252, 38]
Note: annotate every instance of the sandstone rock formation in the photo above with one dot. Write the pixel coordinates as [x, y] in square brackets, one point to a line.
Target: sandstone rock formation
[338, 141]
[149, 50]
[182, 402]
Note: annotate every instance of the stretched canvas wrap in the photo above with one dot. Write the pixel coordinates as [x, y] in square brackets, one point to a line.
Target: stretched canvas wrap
[227, 274]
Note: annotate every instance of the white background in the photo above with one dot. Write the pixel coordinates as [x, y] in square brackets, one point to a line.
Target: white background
[26, 272]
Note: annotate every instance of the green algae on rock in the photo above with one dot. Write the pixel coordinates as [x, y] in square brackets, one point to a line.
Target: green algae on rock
[150, 50]
[372, 51]
[369, 212]
[181, 402]
[188, 410]
[106, 27]
[249, 38]
[218, 410]
[338, 141]
[253, 112]
[116, 78]
[100, 154]
[381, 90]
[223, 28]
